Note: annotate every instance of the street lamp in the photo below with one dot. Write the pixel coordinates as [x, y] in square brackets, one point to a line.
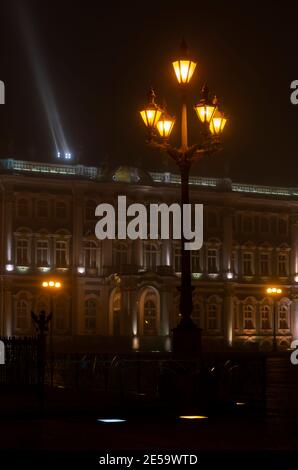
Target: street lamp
[274, 293]
[52, 285]
[186, 337]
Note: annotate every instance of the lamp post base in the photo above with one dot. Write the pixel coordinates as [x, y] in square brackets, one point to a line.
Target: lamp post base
[187, 340]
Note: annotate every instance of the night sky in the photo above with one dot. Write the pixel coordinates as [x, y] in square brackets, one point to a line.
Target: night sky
[101, 57]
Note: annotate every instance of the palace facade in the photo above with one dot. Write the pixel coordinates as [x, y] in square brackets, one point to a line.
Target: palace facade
[122, 293]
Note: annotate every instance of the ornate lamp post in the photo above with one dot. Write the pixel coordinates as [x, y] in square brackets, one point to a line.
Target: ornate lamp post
[186, 337]
[52, 285]
[275, 293]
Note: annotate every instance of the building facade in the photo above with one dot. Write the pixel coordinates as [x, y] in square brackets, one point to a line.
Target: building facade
[123, 293]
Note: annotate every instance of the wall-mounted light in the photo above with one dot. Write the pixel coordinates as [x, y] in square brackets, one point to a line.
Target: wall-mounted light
[81, 270]
[9, 267]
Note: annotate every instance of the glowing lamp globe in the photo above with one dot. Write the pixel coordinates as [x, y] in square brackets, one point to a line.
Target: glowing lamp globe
[165, 125]
[206, 107]
[184, 70]
[217, 123]
[151, 112]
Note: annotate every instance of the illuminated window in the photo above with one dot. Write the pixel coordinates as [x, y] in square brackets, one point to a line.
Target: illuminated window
[248, 264]
[177, 259]
[22, 315]
[42, 208]
[248, 317]
[265, 317]
[23, 208]
[61, 253]
[283, 317]
[90, 252]
[120, 254]
[212, 257]
[150, 314]
[264, 264]
[90, 315]
[42, 252]
[150, 255]
[60, 210]
[196, 261]
[22, 252]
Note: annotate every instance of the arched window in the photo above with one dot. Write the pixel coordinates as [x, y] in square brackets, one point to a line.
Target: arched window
[23, 208]
[150, 255]
[90, 254]
[22, 315]
[90, 316]
[22, 252]
[150, 314]
[61, 253]
[42, 252]
[212, 260]
[60, 210]
[283, 316]
[248, 317]
[283, 263]
[42, 208]
[248, 266]
[265, 317]
[265, 263]
[120, 254]
[196, 261]
[212, 316]
[90, 210]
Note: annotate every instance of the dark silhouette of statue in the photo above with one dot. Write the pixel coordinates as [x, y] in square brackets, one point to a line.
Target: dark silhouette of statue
[41, 321]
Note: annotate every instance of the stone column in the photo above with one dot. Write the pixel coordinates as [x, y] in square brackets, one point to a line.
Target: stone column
[8, 320]
[166, 253]
[227, 239]
[228, 320]
[137, 253]
[77, 229]
[7, 229]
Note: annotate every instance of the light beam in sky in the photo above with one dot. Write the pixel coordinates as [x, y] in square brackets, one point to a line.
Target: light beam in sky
[62, 150]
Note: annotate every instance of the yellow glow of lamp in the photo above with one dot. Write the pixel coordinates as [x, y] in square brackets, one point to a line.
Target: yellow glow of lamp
[165, 125]
[57, 285]
[45, 284]
[217, 123]
[274, 290]
[151, 112]
[206, 107]
[184, 70]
